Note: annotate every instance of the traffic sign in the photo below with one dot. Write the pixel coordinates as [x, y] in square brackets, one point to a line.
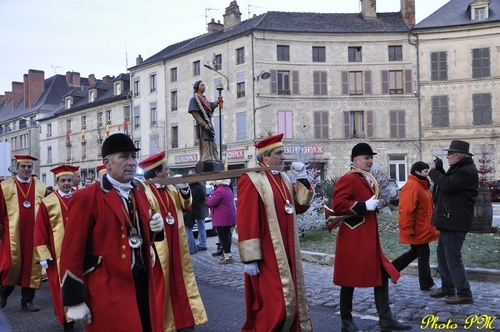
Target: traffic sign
[12, 169]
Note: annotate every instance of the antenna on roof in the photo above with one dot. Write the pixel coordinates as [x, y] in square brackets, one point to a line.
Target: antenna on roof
[126, 58]
[249, 11]
[55, 68]
[206, 16]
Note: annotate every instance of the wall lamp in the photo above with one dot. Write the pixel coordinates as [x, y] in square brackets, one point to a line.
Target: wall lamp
[263, 75]
[207, 65]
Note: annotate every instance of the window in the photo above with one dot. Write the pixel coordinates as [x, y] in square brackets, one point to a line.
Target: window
[118, 88]
[108, 116]
[84, 121]
[354, 54]
[152, 82]
[137, 117]
[175, 136]
[354, 122]
[355, 83]
[440, 111]
[397, 124]
[320, 84]
[173, 100]
[196, 68]
[283, 53]
[154, 114]
[69, 102]
[481, 109]
[284, 82]
[319, 54]
[126, 112]
[153, 145]
[395, 53]
[285, 123]
[395, 82]
[219, 123]
[49, 129]
[137, 144]
[240, 85]
[137, 87]
[397, 168]
[480, 62]
[320, 124]
[479, 13]
[218, 62]
[68, 125]
[91, 96]
[99, 117]
[49, 155]
[439, 66]
[241, 126]
[173, 74]
[240, 55]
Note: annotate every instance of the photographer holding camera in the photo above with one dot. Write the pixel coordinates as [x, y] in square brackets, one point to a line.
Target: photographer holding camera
[454, 197]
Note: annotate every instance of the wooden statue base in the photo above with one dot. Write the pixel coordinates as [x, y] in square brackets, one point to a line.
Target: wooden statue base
[209, 166]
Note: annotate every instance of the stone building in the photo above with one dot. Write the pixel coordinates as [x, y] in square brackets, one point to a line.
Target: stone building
[459, 74]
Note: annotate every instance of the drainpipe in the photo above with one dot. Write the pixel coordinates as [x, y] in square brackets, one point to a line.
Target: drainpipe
[417, 90]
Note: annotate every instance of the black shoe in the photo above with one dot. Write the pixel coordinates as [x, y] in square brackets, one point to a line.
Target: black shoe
[392, 324]
[349, 326]
[441, 293]
[44, 277]
[201, 248]
[69, 326]
[29, 306]
[217, 253]
[3, 301]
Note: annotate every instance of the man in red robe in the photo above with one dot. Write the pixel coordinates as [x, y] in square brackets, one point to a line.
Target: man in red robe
[359, 260]
[19, 200]
[49, 232]
[178, 300]
[268, 242]
[106, 265]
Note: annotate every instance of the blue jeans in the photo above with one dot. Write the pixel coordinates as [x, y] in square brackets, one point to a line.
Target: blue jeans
[202, 232]
[450, 265]
[191, 240]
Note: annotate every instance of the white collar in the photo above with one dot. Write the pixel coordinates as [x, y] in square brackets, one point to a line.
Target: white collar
[23, 181]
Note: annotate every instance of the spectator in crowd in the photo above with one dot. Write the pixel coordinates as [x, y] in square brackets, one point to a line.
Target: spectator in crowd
[77, 184]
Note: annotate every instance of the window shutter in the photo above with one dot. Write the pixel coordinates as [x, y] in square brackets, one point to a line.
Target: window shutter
[281, 121]
[434, 66]
[295, 82]
[443, 65]
[436, 112]
[324, 124]
[289, 124]
[345, 82]
[368, 82]
[408, 82]
[487, 116]
[317, 125]
[317, 84]
[401, 124]
[393, 118]
[476, 109]
[346, 125]
[485, 62]
[274, 82]
[445, 117]
[476, 62]
[369, 124]
[241, 126]
[323, 85]
[385, 82]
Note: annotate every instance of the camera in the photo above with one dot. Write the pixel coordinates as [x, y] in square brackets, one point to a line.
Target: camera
[439, 164]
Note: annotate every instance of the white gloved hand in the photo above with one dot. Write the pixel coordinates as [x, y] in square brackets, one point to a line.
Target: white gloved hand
[180, 186]
[371, 204]
[298, 170]
[80, 312]
[44, 264]
[156, 223]
[252, 269]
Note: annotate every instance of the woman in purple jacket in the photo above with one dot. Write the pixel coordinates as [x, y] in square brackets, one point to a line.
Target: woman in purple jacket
[221, 203]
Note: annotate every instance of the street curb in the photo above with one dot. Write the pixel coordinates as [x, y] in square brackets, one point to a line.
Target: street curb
[476, 274]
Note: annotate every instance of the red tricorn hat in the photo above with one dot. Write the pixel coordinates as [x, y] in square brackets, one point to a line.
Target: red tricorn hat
[64, 170]
[269, 143]
[24, 158]
[76, 170]
[101, 168]
[153, 161]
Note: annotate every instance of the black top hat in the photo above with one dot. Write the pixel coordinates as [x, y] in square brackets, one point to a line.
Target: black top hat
[361, 149]
[459, 146]
[117, 143]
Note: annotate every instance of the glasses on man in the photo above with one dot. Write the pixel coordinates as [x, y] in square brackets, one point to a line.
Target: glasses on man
[26, 166]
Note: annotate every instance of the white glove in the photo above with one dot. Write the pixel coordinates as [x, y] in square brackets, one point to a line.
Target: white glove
[156, 223]
[371, 204]
[298, 170]
[252, 269]
[79, 312]
[44, 264]
[180, 186]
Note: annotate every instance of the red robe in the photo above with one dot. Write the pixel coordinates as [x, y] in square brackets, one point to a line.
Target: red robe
[96, 235]
[49, 232]
[358, 254]
[276, 298]
[17, 224]
[178, 300]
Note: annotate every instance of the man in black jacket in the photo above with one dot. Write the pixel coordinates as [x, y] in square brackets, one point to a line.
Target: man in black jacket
[454, 209]
[197, 215]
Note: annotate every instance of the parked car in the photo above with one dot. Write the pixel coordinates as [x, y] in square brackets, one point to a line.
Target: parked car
[494, 189]
[208, 220]
[393, 192]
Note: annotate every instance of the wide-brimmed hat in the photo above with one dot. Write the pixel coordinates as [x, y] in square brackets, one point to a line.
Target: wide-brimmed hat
[459, 146]
[117, 143]
[362, 149]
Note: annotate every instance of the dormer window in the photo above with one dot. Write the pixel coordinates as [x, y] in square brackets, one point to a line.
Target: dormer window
[479, 13]
[118, 89]
[479, 10]
[91, 96]
[69, 102]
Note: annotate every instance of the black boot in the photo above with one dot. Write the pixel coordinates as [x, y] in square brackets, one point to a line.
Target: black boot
[219, 251]
[386, 321]
[346, 309]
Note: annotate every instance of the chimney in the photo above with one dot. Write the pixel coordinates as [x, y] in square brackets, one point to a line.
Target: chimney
[26, 91]
[214, 27]
[2, 99]
[232, 17]
[139, 60]
[17, 93]
[408, 11]
[75, 79]
[36, 86]
[91, 79]
[369, 8]
[8, 96]
[107, 79]
[68, 77]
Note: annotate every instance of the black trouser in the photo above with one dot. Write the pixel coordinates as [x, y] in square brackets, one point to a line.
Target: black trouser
[142, 295]
[225, 235]
[422, 252]
[27, 294]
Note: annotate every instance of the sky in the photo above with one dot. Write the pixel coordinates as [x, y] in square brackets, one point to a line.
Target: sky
[104, 37]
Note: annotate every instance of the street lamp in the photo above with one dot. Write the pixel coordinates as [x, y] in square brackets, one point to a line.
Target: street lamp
[207, 65]
[219, 88]
[264, 75]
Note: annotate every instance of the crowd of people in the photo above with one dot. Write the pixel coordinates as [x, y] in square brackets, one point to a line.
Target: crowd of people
[129, 257]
